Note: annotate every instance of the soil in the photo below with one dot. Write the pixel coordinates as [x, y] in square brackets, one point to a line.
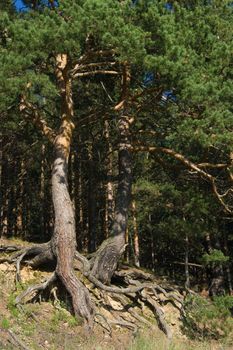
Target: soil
[47, 322]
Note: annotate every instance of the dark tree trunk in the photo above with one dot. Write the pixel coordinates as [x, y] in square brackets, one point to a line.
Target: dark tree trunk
[217, 281]
[92, 224]
[107, 256]
[216, 271]
[187, 277]
[228, 266]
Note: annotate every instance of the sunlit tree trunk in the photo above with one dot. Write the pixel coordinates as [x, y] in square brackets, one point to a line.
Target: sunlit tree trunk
[79, 197]
[42, 191]
[64, 237]
[127, 245]
[109, 204]
[135, 235]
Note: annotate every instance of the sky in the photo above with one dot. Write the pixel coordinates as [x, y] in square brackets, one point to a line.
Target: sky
[18, 4]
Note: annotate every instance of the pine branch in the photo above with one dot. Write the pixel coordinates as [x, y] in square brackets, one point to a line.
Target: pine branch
[189, 164]
[31, 112]
[94, 72]
[81, 67]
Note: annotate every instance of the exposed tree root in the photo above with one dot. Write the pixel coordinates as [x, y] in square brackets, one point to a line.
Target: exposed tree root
[80, 297]
[104, 261]
[35, 289]
[131, 306]
[9, 249]
[102, 320]
[42, 253]
[159, 314]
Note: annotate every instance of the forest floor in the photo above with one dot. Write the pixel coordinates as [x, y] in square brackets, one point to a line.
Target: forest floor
[49, 325]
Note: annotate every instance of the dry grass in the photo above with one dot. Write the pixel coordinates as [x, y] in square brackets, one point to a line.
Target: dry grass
[148, 341]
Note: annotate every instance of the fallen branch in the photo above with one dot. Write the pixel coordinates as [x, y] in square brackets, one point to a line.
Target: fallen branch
[190, 264]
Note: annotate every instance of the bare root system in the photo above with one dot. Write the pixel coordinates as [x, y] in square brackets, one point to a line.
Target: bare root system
[136, 301]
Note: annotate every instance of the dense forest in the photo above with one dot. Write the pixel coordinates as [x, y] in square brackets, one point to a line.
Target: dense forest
[116, 146]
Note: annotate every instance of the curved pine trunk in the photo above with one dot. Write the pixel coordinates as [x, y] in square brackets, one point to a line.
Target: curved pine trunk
[64, 237]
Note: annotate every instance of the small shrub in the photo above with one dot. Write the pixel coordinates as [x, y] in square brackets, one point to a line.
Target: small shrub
[5, 324]
[11, 305]
[208, 318]
[215, 257]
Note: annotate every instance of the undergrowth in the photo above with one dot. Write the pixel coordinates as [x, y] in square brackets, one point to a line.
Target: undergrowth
[205, 318]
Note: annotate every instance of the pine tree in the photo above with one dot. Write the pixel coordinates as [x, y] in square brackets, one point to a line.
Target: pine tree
[183, 111]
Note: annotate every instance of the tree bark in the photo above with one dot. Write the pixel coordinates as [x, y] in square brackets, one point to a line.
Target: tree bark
[109, 253]
[20, 193]
[42, 190]
[79, 206]
[64, 237]
[135, 236]
[217, 279]
[228, 266]
[109, 202]
[92, 224]
[187, 277]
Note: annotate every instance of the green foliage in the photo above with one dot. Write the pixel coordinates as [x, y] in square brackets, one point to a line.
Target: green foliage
[5, 323]
[11, 305]
[29, 328]
[60, 317]
[206, 318]
[7, 6]
[216, 256]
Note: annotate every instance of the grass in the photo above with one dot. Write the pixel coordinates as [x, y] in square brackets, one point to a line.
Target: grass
[148, 341]
[5, 323]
